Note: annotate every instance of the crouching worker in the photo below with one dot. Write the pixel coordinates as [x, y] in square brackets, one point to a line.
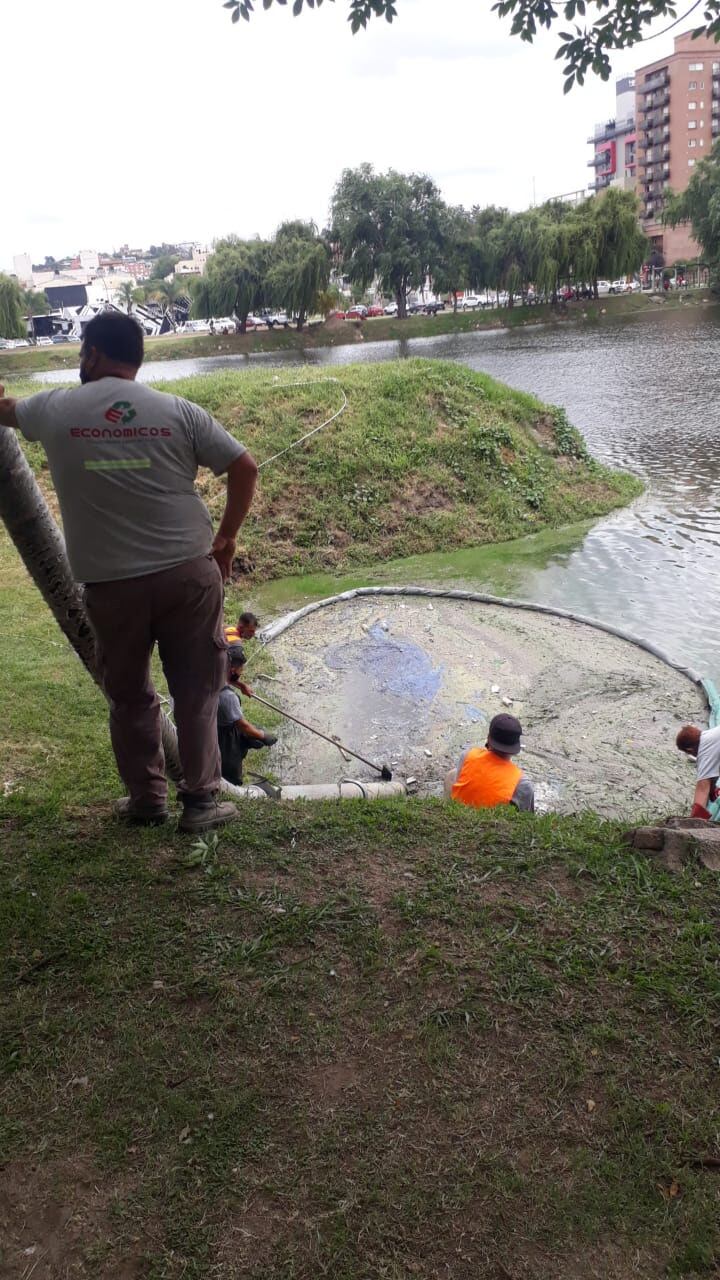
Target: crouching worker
[486, 776]
[236, 735]
[703, 746]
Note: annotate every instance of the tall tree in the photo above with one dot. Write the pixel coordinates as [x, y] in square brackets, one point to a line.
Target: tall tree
[622, 246]
[699, 204]
[456, 256]
[12, 324]
[584, 47]
[388, 226]
[237, 276]
[299, 269]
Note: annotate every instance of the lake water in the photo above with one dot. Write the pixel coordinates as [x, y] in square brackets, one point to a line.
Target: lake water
[645, 392]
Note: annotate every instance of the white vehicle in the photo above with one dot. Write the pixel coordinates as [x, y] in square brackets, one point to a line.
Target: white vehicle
[279, 318]
[470, 302]
[44, 342]
[391, 309]
[620, 286]
[604, 288]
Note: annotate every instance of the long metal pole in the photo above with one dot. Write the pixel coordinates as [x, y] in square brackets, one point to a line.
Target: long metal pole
[382, 769]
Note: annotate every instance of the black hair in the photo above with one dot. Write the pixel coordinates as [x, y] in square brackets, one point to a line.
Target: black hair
[248, 620]
[117, 336]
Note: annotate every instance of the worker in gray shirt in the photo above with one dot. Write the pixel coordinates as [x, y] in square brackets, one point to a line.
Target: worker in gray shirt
[702, 745]
[123, 459]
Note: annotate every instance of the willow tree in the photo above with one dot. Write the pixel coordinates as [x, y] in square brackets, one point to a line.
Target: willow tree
[12, 324]
[621, 245]
[237, 277]
[299, 269]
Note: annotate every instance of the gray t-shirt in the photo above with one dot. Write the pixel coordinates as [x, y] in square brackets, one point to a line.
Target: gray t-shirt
[123, 459]
[708, 756]
[229, 708]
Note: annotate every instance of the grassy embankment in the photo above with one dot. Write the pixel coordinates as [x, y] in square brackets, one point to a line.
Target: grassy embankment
[340, 333]
[428, 456]
[383, 1040]
[365, 1040]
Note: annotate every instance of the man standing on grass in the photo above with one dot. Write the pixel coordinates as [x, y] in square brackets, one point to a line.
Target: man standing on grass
[123, 459]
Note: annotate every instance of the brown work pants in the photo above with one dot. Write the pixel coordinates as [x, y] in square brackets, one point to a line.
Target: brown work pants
[180, 609]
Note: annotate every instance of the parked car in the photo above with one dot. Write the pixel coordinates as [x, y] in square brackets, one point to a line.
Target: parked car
[620, 285]
[357, 313]
[278, 319]
[391, 309]
[43, 342]
[57, 338]
[604, 288]
[337, 315]
[376, 311]
[432, 308]
[470, 302]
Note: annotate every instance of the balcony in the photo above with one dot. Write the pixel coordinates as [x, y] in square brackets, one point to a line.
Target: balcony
[612, 129]
[660, 80]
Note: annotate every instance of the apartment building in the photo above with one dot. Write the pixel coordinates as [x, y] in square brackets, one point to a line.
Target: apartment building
[614, 142]
[677, 113]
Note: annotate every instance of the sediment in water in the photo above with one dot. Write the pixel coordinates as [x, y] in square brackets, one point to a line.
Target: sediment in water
[412, 682]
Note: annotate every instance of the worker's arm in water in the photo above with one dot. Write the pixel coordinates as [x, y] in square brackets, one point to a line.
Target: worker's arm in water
[700, 799]
[8, 417]
[241, 480]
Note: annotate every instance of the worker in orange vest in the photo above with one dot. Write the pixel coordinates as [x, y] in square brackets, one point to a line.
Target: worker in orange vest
[486, 776]
[244, 629]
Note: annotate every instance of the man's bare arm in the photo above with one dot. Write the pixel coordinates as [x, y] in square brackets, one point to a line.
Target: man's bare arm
[241, 480]
[8, 417]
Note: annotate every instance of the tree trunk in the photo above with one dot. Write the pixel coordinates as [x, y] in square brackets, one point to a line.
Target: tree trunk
[300, 320]
[42, 549]
[455, 302]
[401, 304]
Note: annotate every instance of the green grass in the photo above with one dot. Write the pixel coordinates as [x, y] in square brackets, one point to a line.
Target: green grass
[429, 456]
[362, 1040]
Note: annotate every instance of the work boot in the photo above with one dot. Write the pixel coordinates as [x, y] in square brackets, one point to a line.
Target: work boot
[139, 814]
[204, 814]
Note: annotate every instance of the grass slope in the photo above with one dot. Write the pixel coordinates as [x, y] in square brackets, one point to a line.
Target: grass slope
[428, 456]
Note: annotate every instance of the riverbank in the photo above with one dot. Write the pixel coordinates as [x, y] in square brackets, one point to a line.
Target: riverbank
[338, 333]
[427, 456]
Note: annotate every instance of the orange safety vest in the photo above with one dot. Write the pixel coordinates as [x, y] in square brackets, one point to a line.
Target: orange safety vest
[485, 779]
[232, 635]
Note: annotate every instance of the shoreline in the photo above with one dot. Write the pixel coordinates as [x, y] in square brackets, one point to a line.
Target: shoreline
[21, 362]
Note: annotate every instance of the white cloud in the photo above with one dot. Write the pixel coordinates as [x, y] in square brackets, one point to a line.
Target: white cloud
[160, 120]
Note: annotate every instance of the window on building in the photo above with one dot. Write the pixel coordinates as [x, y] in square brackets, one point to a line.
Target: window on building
[696, 66]
[716, 66]
[692, 106]
[692, 142]
[702, 142]
[692, 124]
[692, 84]
[691, 163]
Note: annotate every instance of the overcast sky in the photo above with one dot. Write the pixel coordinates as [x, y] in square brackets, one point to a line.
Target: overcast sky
[158, 120]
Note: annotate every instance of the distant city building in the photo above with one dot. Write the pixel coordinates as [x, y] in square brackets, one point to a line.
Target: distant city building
[613, 142]
[195, 265]
[89, 260]
[22, 268]
[678, 119]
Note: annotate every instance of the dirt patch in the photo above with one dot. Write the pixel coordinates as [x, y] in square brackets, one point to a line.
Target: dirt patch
[53, 1217]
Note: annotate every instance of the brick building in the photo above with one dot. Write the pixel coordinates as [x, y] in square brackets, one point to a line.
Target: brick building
[677, 113]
